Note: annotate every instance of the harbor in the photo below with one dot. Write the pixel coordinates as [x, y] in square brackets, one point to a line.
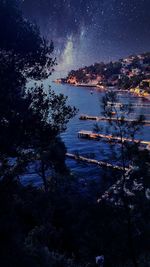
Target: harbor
[96, 136]
[90, 145]
[95, 162]
[97, 118]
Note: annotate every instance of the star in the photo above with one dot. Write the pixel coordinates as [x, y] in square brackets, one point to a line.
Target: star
[96, 27]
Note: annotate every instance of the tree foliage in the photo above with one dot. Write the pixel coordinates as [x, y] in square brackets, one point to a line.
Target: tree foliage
[30, 118]
[129, 192]
[58, 226]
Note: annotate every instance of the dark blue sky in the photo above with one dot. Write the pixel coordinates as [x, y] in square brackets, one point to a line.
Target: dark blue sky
[88, 31]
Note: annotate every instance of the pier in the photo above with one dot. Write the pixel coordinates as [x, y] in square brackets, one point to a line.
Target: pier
[88, 117]
[119, 105]
[96, 162]
[96, 136]
[96, 118]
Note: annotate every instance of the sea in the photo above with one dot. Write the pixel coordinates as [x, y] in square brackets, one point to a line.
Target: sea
[89, 101]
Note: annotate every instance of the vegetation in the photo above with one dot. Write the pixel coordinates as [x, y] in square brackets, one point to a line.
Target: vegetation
[125, 73]
[134, 182]
[54, 225]
[31, 119]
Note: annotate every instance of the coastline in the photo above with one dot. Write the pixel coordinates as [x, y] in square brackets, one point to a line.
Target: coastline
[104, 87]
[81, 84]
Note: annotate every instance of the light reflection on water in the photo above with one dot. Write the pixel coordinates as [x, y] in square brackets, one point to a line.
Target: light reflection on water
[90, 104]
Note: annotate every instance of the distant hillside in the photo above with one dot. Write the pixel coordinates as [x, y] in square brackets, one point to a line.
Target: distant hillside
[125, 73]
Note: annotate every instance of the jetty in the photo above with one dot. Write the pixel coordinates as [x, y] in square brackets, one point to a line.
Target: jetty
[140, 105]
[119, 105]
[96, 118]
[95, 162]
[96, 136]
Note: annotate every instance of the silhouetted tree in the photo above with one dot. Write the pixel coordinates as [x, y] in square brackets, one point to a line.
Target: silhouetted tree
[29, 119]
[131, 187]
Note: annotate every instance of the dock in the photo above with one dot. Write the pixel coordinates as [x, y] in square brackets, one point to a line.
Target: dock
[85, 117]
[96, 136]
[88, 117]
[119, 105]
[95, 162]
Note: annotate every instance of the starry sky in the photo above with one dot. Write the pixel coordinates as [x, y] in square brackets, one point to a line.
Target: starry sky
[89, 31]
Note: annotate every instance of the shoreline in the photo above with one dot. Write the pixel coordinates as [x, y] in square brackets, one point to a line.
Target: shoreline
[102, 87]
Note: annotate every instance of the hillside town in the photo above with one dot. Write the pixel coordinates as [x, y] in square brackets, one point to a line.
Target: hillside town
[131, 74]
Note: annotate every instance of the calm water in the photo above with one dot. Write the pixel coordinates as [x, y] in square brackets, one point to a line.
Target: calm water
[88, 103]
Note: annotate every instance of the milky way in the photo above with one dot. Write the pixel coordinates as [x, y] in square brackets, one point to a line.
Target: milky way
[88, 31]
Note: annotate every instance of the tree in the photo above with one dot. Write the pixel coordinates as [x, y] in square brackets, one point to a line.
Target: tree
[50, 117]
[129, 192]
[30, 120]
[124, 82]
[22, 41]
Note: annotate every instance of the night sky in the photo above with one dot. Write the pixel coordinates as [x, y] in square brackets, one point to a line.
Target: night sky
[89, 31]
